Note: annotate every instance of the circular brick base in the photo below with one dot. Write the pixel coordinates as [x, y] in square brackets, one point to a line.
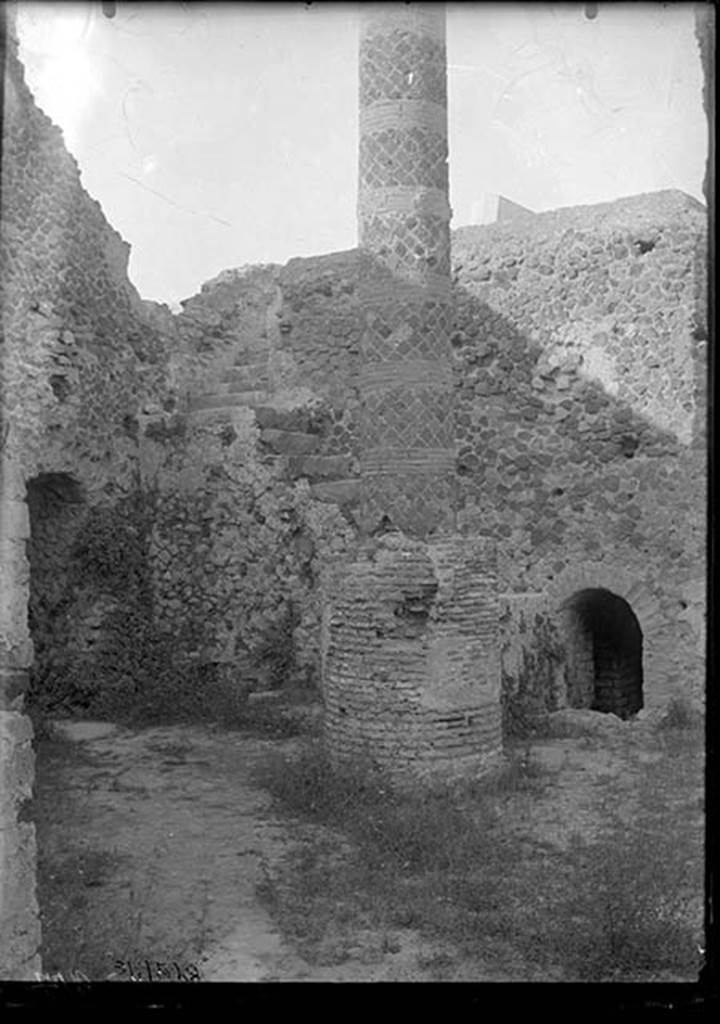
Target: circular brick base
[410, 670]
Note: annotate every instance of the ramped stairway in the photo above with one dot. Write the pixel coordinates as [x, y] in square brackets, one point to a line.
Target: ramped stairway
[289, 434]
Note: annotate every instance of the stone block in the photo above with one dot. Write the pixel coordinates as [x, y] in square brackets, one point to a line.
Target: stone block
[574, 722]
[14, 520]
[12, 480]
[339, 492]
[228, 401]
[548, 758]
[19, 926]
[264, 696]
[14, 619]
[13, 684]
[14, 729]
[268, 417]
[680, 711]
[320, 467]
[19, 920]
[288, 442]
[249, 375]
[83, 731]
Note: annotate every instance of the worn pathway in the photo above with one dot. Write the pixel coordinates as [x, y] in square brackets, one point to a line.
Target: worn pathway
[190, 836]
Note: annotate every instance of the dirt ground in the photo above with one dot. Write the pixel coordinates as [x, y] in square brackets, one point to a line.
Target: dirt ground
[188, 837]
[152, 844]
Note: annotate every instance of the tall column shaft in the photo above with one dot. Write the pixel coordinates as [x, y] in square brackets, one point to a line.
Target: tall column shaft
[410, 654]
[406, 425]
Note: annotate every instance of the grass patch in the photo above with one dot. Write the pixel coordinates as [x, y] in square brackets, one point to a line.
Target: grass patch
[218, 703]
[153, 681]
[633, 899]
[191, 700]
[519, 774]
[680, 715]
[91, 923]
[429, 860]
[446, 864]
[72, 942]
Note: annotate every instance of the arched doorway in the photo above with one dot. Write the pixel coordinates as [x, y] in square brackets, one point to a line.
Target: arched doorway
[605, 670]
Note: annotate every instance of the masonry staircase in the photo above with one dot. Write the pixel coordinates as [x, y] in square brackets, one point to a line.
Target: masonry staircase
[287, 434]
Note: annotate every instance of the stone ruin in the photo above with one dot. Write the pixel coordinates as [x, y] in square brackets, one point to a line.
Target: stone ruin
[456, 485]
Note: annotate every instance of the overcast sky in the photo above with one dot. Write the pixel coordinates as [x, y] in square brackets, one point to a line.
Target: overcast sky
[215, 136]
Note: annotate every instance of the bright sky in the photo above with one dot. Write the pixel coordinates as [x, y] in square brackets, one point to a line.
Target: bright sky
[215, 136]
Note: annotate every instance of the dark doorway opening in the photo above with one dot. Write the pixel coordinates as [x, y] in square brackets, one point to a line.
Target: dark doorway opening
[57, 509]
[605, 653]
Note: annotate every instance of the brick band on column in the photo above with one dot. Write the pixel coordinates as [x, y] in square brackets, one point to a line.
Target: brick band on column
[404, 221]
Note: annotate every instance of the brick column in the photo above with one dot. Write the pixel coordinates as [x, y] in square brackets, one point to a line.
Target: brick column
[406, 426]
[411, 673]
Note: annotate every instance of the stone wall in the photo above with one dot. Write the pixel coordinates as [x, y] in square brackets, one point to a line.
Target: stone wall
[581, 344]
[536, 662]
[19, 924]
[80, 358]
[579, 360]
[254, 469]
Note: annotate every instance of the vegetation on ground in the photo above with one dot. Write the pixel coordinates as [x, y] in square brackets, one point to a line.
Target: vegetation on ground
[447, 863]
[455, 865]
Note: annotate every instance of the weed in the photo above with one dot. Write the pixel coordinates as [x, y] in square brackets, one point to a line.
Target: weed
[531, 694]
[429, 859]
[445, 863]
[625, 910]
[42, 723]
[680, 715]
[629, 907]
[520, 774]
[276, 650]
[197, 693]
[206, 695]
[70, 942]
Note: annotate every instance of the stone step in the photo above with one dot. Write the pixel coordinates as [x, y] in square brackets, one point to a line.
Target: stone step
[320, 467]
[268, 416]
[254, 357]
[290, 442]
[337, 492]
[246, 374]
[239, 387]
[250, 361]
[263, 696]
[231, 400]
